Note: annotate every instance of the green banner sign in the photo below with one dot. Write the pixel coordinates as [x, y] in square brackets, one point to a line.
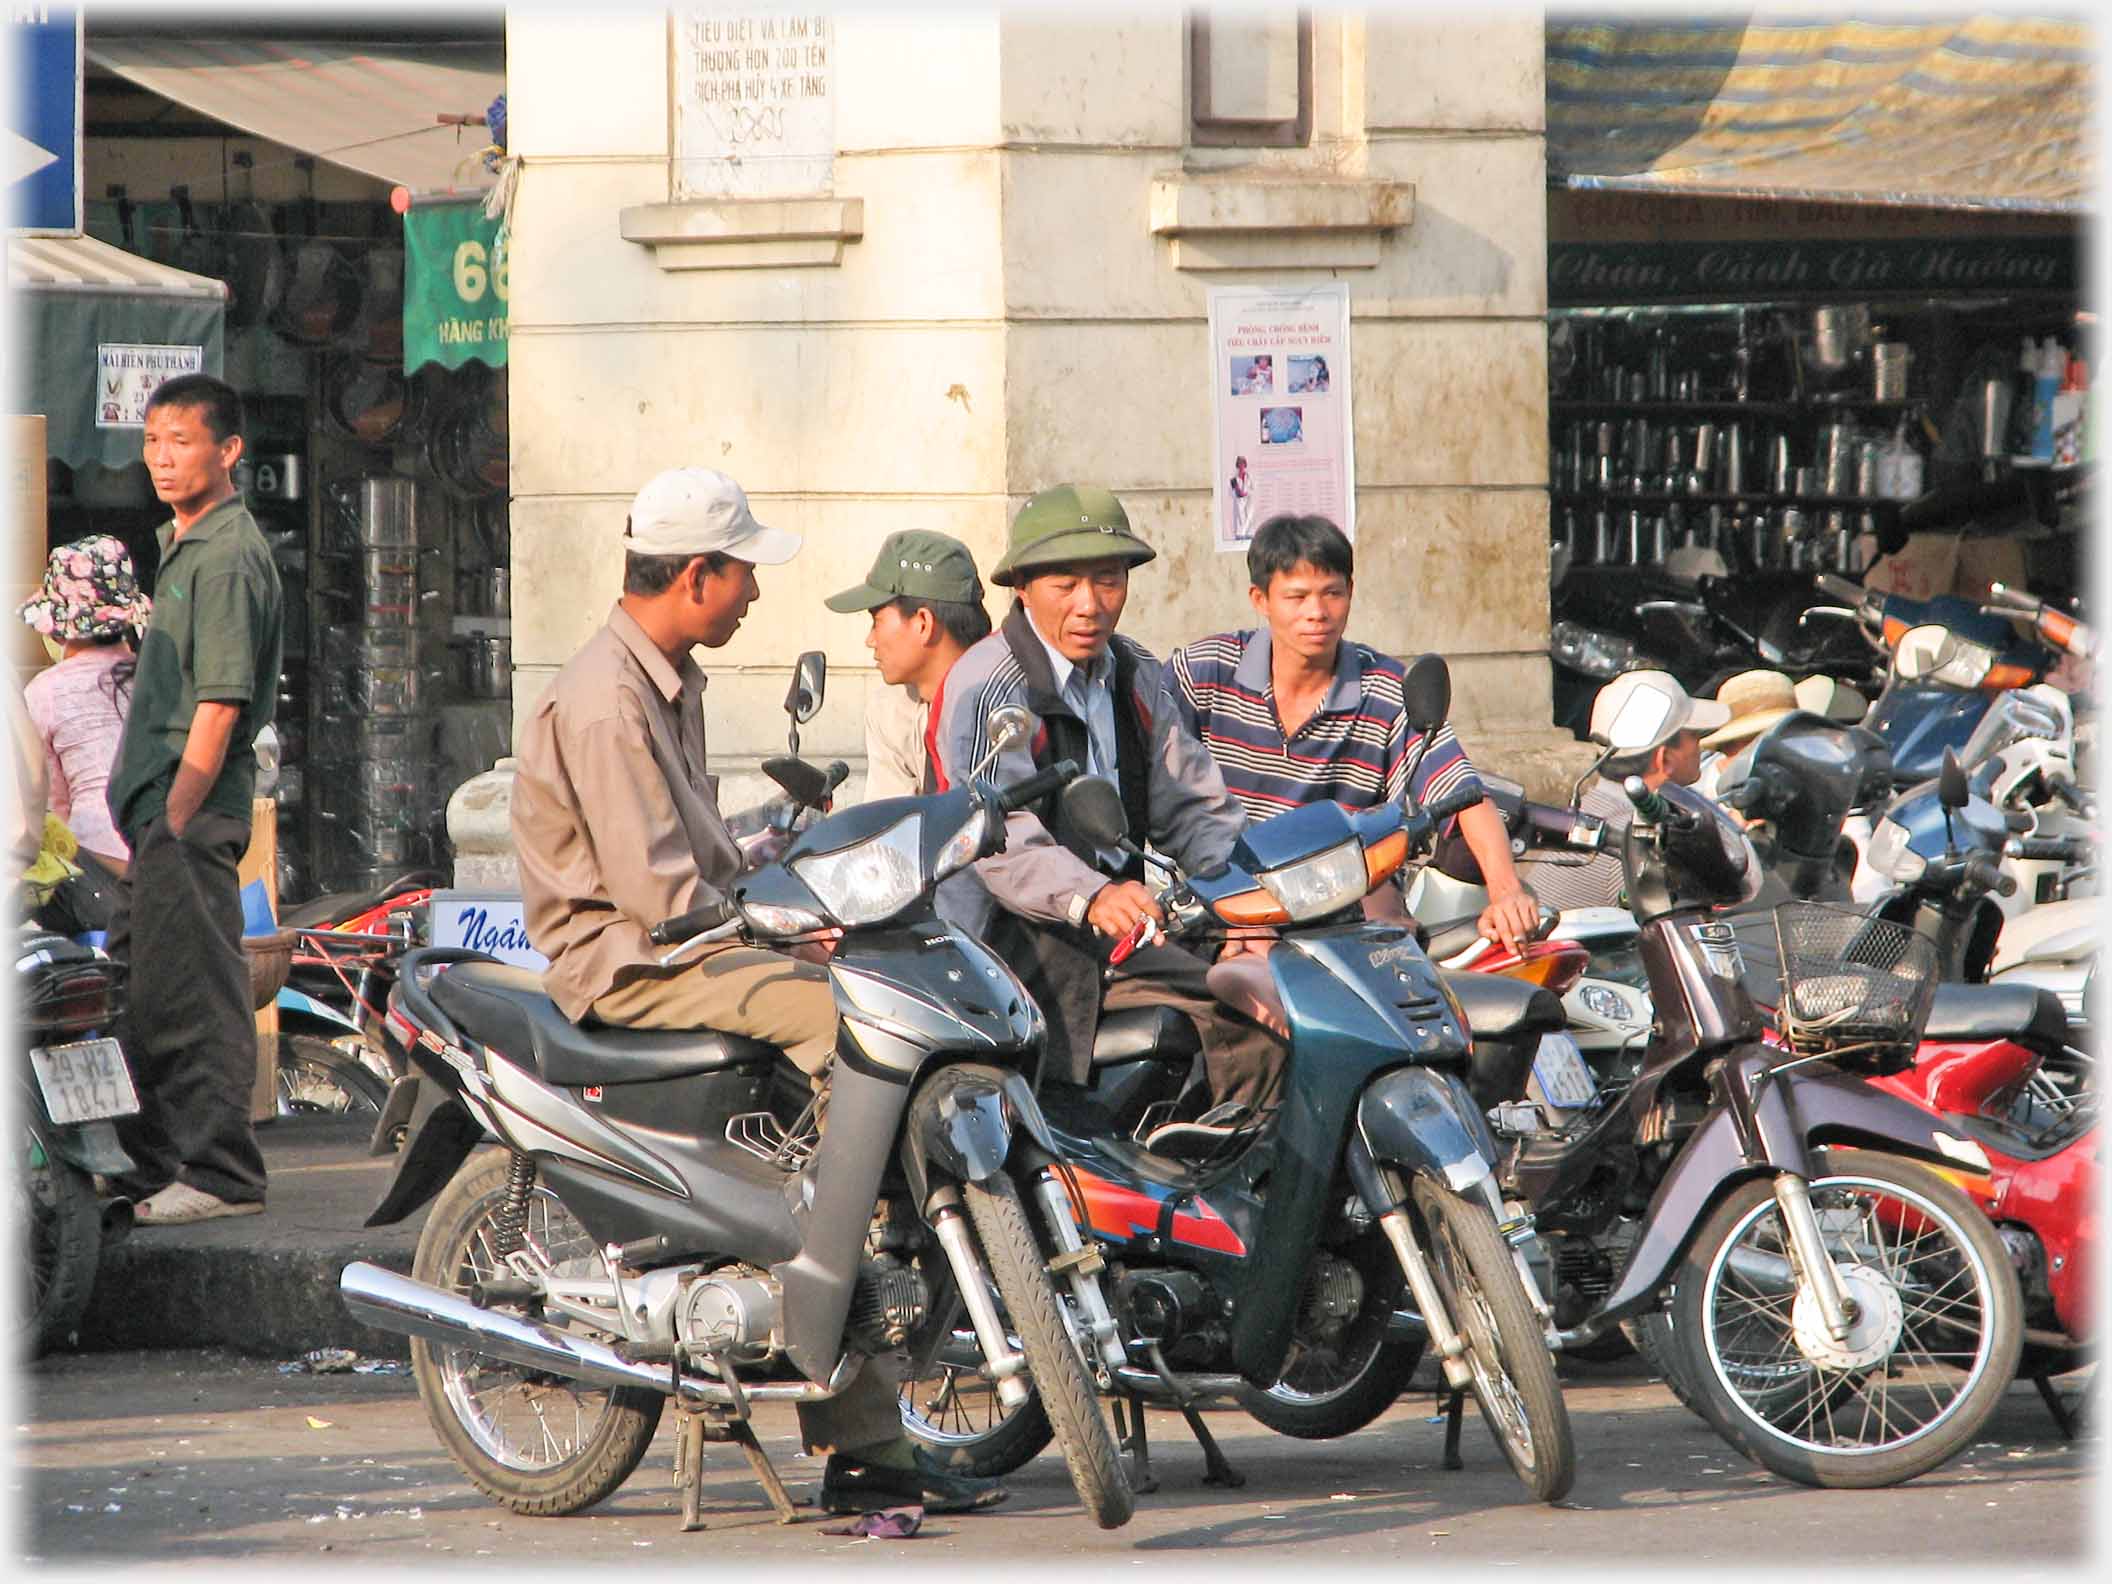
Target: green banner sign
[454, 287]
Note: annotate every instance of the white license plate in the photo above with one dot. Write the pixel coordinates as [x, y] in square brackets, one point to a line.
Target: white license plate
[85, 1082]
[1559, 1070]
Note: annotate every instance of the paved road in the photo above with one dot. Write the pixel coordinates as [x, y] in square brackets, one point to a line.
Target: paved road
[205, 1458]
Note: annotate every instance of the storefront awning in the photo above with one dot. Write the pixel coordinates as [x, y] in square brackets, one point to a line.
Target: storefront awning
[1990, 111]
[100, 328]
[368, 107]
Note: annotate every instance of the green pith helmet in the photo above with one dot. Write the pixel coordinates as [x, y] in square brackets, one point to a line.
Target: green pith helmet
[1070, 522]
[917, 563]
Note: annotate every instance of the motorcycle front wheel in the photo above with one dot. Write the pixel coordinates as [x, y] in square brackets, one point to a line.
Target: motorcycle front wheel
[62, 1241]
[1061, 1385]
[318, 1079]
[1933, 1346]
[1514, 1374]
[1337, 1380]
[540, 1444]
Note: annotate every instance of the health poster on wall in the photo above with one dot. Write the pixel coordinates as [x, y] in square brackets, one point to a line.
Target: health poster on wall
[1279, 402]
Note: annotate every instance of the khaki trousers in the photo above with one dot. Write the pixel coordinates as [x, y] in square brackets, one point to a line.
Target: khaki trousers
[766, 996]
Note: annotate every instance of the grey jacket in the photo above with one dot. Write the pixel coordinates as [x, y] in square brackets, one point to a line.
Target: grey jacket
[1192, 817]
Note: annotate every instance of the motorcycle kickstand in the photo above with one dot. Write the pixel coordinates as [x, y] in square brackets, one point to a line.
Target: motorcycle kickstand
[2063, 1415]
[1454, 1406]
[1135, 1444]
[1217, 1471]
[701, 1422]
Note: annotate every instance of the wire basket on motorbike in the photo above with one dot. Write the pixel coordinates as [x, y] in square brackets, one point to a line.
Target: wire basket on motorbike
[1852, 985]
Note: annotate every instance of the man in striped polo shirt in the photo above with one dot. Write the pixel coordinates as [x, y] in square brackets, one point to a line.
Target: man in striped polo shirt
[1293, 713]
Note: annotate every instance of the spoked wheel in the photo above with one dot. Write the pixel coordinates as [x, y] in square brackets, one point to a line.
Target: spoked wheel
[1062, 1386]
[1932, 1347]
[538, 1443]
[317, 1079]
[1341, 1373]
[949, 1405]
[62, 1242]
[1514, 1375]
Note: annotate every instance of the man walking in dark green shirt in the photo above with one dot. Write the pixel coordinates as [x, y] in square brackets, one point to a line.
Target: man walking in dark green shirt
[180, 792]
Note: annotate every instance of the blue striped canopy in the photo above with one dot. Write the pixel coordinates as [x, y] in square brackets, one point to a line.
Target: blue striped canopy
[1976, 111]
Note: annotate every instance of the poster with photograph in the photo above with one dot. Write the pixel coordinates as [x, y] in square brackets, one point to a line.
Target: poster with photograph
[1279, 402]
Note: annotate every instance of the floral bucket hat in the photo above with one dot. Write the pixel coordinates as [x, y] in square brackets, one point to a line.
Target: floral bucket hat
[89, 591]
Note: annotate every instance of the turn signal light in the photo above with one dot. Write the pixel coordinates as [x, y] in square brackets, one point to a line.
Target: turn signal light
[1553, 965]
[1251, 907]
[1381, 858]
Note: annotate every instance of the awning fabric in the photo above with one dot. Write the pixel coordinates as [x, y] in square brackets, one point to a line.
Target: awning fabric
[1988, 111]
[81, 300]
[367, 107]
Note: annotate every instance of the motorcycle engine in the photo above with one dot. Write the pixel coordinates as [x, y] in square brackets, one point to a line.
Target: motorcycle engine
[1168, 1307]
[888, 1303]
[730, 1312]
[1334, 1292]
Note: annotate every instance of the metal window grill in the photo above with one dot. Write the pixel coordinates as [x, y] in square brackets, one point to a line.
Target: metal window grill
[1851, 981]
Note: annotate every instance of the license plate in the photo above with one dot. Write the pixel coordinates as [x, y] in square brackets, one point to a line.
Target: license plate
[85, 1082]
[1559, 1070]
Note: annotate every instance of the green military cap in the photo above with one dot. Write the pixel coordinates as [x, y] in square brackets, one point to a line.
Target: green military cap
[919, 564]
[1071, 522]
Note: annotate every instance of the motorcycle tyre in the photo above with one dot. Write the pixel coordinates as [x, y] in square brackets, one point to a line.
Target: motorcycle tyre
[610, 1452]
[1519, 1341]
[1005, 1448]
[1861, 1470]
[364, 1092]
[1375, 1388]
[73, 1222]
[1060, 1381]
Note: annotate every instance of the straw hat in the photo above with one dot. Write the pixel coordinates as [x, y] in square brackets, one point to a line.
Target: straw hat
[1756, 700]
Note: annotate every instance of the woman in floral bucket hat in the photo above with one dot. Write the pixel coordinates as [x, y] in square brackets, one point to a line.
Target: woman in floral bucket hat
[89, 611]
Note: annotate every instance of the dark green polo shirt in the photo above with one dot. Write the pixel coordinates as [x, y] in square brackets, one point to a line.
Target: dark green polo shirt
[215, 638]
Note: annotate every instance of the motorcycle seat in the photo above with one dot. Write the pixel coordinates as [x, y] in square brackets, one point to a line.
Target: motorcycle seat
[1144, 1034]
[1451, 937]
[505, 1009]
[324, 911]
[2024, 1013]
[1500, 1008]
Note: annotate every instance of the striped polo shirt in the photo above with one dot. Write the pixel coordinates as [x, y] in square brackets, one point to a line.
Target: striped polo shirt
[1355, 749]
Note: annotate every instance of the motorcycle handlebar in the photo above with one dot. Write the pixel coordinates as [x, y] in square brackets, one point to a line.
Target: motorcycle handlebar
[1985, 871]
[1038, 786]
[2046, 849]
[696, 921]
[1839, 587]
[1452, 803]
[2069, 793]
[1545, 825]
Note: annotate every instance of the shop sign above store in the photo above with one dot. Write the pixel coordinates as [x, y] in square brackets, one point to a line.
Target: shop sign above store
[1631, 272]
[126, 375]
[755, 105]
[454, 287]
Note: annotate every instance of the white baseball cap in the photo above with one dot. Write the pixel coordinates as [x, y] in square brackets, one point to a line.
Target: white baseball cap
[1651, 704]
[694, 511]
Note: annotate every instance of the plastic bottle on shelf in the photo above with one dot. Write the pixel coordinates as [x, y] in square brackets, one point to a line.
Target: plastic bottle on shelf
[2023, 395]
[2068, 407]
[2046, 388]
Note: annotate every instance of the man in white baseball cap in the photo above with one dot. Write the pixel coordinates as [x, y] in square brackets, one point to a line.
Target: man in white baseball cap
[616, 827]
[1675, 724]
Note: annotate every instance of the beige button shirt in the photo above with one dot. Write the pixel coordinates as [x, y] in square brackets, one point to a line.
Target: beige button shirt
[894, 742]
[615, 824]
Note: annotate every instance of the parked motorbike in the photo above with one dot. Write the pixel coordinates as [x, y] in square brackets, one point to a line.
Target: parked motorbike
[1268, 1267]
[332, 1057]
[1842, 1313]
[77, 1085]
[654, 1228]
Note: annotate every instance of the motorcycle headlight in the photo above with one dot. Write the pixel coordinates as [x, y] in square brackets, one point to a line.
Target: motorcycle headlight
[875, 879]
[1967, 668]
[1890, 855]
[1595, 653]
[1606, 1002]
[1321, 884]
[963, 845]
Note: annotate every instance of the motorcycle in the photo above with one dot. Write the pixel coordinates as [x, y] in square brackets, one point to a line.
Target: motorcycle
[1841, 1313]
[1267, 1267]
[76, 1087]
[656, 1226]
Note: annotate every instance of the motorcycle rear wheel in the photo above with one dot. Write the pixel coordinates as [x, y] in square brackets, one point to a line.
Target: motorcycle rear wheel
[1959, 1328]
[537, 1443]
[1061, 1384]
[62, 1239]
[1514, 1374]
[1326, 1392]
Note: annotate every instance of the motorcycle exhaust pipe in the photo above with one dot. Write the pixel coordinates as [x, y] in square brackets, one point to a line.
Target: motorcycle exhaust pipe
[391, 1302]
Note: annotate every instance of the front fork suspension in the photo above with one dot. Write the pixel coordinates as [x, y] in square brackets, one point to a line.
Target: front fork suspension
[1080, 1264]
[1006, 1365]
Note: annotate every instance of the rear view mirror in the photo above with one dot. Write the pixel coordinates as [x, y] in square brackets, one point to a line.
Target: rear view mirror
[810, 679]
[1093, 808]
[806, 785]
[1008, 727]
[1951, 788]
[1639, 723]
[1426, 693]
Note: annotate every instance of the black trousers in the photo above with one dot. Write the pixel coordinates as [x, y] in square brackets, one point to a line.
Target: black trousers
[1242, 1061]
[189, 1031]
